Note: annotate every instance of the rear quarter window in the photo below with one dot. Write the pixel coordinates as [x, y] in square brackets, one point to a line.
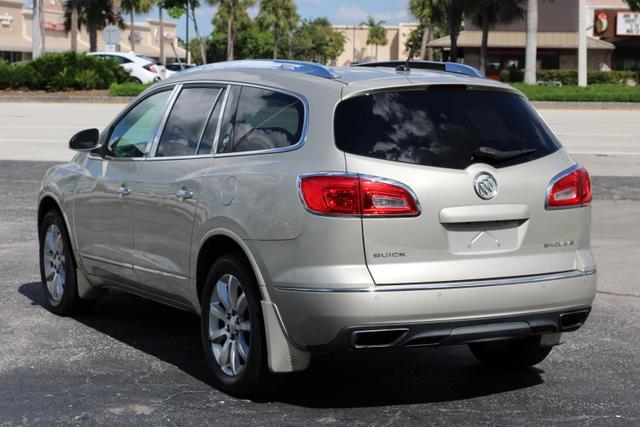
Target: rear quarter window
[449, 128]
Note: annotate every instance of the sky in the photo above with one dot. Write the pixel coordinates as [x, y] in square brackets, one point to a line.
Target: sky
[338, 12]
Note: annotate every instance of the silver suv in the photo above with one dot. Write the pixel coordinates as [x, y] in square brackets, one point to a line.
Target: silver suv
[299, 208]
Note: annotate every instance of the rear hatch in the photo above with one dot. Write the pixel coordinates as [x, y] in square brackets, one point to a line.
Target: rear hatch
[443, 142]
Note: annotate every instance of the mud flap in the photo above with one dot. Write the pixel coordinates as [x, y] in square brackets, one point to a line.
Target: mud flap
[283, 356]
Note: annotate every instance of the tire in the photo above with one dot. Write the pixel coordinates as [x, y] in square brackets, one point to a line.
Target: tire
[511, 354]
[234, 349]
[136, 80]
[58, 269]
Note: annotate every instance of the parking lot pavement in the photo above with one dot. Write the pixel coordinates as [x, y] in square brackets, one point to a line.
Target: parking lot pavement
[607, 142]
[135, 361]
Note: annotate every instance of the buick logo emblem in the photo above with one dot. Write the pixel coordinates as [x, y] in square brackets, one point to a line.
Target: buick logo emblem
[485, 185]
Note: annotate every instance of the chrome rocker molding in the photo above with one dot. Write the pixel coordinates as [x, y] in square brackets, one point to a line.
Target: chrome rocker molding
[449, 285]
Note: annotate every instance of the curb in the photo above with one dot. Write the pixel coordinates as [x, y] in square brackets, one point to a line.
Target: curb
[67, 99]
[570, 105]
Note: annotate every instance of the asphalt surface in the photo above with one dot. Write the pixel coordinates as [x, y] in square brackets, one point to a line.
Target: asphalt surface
[132, 361]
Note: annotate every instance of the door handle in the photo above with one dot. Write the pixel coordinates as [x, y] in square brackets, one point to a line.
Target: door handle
[123, 191]
[184, 194]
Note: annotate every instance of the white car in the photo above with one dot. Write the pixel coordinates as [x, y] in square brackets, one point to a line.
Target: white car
[141, 68]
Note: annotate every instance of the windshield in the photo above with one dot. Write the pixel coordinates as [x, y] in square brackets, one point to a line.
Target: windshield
[450, 128]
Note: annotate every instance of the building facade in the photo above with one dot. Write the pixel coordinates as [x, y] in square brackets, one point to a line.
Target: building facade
[557, 38]
[356, 48]
[16, 20]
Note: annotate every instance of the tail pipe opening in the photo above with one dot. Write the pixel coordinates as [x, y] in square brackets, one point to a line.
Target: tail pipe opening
[378, 338]
[573, 320]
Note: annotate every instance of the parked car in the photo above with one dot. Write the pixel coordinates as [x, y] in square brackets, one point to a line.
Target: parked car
[299, 208]
[141, 68]
[176, 67]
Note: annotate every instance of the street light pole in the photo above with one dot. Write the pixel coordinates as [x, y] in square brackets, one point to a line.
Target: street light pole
[582, 43]
[36, 26]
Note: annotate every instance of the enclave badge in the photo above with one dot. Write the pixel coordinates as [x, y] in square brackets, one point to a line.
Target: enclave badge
[485, 185]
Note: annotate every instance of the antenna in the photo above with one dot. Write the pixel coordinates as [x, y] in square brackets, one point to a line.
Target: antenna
[404, 68]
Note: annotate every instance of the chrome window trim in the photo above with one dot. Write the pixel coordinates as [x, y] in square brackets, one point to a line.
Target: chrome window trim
[228, 84]
[356, 175]
[303, 134]
[152, 145]
[449, 285]
[145, 95]
[154, 149]
[553, 181]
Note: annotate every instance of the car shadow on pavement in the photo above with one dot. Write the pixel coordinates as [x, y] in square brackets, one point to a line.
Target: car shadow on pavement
[374, 378]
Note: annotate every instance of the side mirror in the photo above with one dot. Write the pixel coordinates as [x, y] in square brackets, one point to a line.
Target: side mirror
[85, 140]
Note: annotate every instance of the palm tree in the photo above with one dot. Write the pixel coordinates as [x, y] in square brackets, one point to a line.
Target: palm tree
[163, 57]
[427, 12]
[377, 35]
[453, 10]
[531, 48]
[486, 14]
[232, 8]
[133, 7]
[95, 14]
[74, 25]
[279, 16]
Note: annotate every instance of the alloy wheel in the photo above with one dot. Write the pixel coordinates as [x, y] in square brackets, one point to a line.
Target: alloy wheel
[229, 325]
[54, 263]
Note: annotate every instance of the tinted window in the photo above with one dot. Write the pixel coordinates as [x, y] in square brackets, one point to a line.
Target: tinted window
[130, 135]
[264, 120]
[186, 121]
[447, 128]
[209, 135]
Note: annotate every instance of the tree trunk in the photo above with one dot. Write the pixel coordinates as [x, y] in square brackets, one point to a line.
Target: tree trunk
[230, 37]
[203, 48]
[74, 25]
[163, 57]
[93, 37]
[423, 43]
[531, 50]
[131, 31]
[430, 50]
[483, 47]
[275, 41]
[454, 31]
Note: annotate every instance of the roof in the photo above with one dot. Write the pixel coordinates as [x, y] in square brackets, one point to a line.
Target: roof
[517, 39]
[304, 77]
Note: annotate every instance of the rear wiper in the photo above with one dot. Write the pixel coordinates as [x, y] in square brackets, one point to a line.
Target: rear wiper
[493, 154]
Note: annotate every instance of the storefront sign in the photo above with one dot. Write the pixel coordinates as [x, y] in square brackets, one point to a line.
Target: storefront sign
[53, 26]
[6, 20]
[628, 24]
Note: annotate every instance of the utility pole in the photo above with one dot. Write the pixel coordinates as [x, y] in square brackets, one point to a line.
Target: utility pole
[163, 58]
[37, 45]
[582, 43]
[187, 45]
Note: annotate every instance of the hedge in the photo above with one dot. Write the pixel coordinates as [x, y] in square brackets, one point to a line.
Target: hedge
[592, 93]
[62, 72]
[127, 89]
[570, 77]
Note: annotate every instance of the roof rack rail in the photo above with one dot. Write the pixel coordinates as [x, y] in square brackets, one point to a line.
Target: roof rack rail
[310, 68]
[448, 67]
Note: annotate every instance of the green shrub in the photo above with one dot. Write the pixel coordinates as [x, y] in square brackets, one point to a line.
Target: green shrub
[570, 77]
[62, 72]
[592, 93]
[127, 89]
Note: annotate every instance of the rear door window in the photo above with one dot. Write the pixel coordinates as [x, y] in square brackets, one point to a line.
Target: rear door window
[186, 122]
[263, 120]
[449, 128]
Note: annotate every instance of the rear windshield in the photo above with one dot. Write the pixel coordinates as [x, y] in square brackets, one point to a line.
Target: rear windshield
[449, 128]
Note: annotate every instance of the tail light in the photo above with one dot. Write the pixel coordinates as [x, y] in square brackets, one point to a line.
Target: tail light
[356, 195]
[150, 67]
[570, 188]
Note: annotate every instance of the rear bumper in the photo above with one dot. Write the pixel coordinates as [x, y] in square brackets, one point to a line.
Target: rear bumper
[326, 318]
